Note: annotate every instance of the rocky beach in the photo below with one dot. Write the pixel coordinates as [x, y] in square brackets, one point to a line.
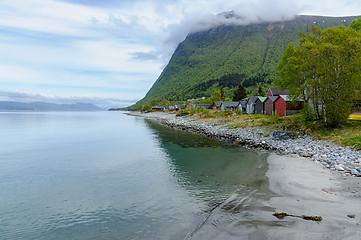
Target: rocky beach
[336, 158]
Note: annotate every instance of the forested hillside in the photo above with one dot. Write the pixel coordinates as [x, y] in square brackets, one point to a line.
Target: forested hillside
[229, 55]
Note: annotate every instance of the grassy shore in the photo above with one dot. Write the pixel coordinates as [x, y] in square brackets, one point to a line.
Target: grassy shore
[348, 134]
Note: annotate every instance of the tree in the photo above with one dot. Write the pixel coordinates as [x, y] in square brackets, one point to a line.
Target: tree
[216, 96]
[154, 103]
[146, 108]
[240, 93]
[260, 92]
[222, 93]
[165, 102]
[324, 70]
[356, 24]
[296, 71]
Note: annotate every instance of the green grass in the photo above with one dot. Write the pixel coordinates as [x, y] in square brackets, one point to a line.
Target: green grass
[348, 134]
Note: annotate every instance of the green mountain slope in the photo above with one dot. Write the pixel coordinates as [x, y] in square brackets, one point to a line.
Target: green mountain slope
[227, 55]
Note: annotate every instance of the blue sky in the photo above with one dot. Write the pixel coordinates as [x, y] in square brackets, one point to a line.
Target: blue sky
[110, 52]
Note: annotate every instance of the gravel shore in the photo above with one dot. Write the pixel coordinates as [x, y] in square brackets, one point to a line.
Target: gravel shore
[333, 157]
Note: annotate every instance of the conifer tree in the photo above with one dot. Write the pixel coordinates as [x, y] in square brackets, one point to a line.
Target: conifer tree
[239, 94]
[260, 91]
[222, 93]
[154, 103]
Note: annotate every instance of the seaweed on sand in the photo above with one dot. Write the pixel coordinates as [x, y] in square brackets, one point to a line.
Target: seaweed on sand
[282, 215]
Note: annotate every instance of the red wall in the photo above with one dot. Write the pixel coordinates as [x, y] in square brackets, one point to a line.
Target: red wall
[280, 106]
[269, 93]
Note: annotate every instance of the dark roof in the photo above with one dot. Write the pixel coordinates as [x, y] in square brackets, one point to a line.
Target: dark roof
[202, 104]
[287, 98]
[243, 103]
[252, 99]
[272, 98]
[229, 104]
[278, 91]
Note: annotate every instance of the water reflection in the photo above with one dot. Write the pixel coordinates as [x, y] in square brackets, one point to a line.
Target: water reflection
[107, 175]
[229, 179]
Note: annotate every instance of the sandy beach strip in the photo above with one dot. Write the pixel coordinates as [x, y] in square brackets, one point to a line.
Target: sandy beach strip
[306, 188]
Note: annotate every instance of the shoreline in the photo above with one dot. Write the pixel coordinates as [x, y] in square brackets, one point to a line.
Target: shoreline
[336, 158]
[303, 185]
[306, 188]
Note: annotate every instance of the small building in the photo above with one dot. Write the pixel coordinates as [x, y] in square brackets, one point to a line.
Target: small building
[243, 105]
[157, 108]
[168, 107]
[229, 106]
[259, 105]
[284, 106]
[269, 105]
[204, 105]
[250, 104]
[182, 106]
[277, 92]
[216, 105]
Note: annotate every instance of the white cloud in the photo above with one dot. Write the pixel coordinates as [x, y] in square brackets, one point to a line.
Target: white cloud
[68, 49]
[334, 8]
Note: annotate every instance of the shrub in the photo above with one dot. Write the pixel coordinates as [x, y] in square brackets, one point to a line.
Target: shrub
[146, 108]
[183, 112]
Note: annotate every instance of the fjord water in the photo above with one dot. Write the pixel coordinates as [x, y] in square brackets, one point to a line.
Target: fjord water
[107, 175]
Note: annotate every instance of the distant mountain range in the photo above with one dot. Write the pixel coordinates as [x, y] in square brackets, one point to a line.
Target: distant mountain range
[225, 56]
[43, 106]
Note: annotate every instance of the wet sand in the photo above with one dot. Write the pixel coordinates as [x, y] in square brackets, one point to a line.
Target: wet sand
[306, 188]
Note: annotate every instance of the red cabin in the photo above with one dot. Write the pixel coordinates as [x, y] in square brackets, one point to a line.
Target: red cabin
[284, 106]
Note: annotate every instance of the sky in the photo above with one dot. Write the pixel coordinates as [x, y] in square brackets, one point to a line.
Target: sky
[110, 52]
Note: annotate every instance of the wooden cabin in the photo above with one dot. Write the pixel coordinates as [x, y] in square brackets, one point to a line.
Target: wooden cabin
[243, 105]
[259, 105]
[284, 106]
[180, 107]
[250, 104]
[216, 105]
[204, 105]
[269, 106]
[229, 106]
[168, 108]
[157, 108]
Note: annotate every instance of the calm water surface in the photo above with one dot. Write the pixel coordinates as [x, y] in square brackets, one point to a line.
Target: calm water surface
[107, 175]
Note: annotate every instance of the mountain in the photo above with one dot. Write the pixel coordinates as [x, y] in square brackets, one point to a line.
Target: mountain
[228, 55]
[43, 106]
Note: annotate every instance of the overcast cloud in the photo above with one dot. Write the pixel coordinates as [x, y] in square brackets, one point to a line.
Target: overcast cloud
[110, 52]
